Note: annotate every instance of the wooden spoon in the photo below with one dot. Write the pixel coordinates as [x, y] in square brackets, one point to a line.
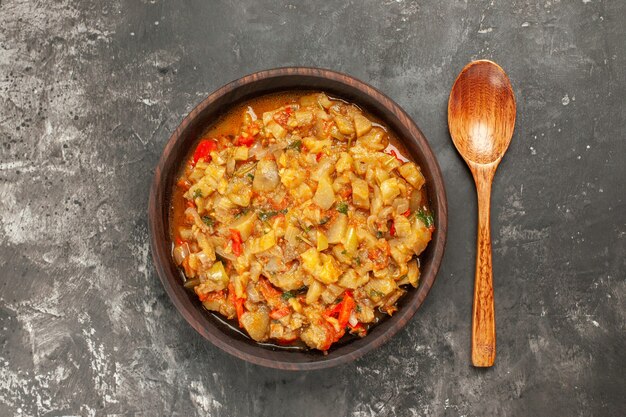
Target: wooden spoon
[481, 119]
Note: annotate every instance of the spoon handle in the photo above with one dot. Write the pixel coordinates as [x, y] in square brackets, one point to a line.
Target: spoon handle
[483, 318]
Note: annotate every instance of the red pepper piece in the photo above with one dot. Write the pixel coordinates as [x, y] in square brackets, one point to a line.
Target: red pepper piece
[392, 229]
[240, 310]
[395, 155]
[334, 311]
[359, 329]
[347, 305]
[358, 326]
[407, 213]
[342, 312]
[204, 149]
[235, 238]
[318, 156]
[237, 302]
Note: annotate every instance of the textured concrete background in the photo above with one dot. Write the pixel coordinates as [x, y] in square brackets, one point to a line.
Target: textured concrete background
[91, 90]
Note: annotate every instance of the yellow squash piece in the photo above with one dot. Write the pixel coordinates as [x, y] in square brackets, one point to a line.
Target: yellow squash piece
[324, 195]
[412, 175]
[362, 124]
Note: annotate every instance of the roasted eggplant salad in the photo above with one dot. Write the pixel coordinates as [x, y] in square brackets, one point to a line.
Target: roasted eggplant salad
[301, 219]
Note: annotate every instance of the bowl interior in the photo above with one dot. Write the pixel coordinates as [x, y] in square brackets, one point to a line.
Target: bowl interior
[339, 85]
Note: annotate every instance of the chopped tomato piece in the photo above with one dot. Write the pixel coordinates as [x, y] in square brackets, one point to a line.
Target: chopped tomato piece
[380, 257]
[211, 296]
[253, 129]
[282, 116]
[245, 141]
[190, 203]
[204, 149]
[279, 313]
[268, 290]
[392, 229]
[318, 156]
[235, 238]
[407, 213]
[178, 241]
[345, 192]
[184, 184]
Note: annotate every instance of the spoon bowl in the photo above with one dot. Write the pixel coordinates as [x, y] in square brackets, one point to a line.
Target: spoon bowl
[481, 119]
[481, 112]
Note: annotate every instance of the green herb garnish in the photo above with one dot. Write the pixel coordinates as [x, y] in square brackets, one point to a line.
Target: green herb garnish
[266, 215]
[342, 207]
[379, 234]
[250, 176]
[324, 220]
[287, 295]
[241, 213]
[296, 144]
[208, 220]
[425, 217]
[358, 308]
[197, 193]
[357, 260]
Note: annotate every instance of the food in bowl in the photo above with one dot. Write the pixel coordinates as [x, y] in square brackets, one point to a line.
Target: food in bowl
[302, 224]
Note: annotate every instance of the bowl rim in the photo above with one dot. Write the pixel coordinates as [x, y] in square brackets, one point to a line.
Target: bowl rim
[437, 244]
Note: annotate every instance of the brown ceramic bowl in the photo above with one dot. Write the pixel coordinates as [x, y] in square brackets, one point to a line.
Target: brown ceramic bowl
[177, 148]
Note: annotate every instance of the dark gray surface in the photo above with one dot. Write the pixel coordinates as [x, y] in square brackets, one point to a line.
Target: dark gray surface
[91, 90]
